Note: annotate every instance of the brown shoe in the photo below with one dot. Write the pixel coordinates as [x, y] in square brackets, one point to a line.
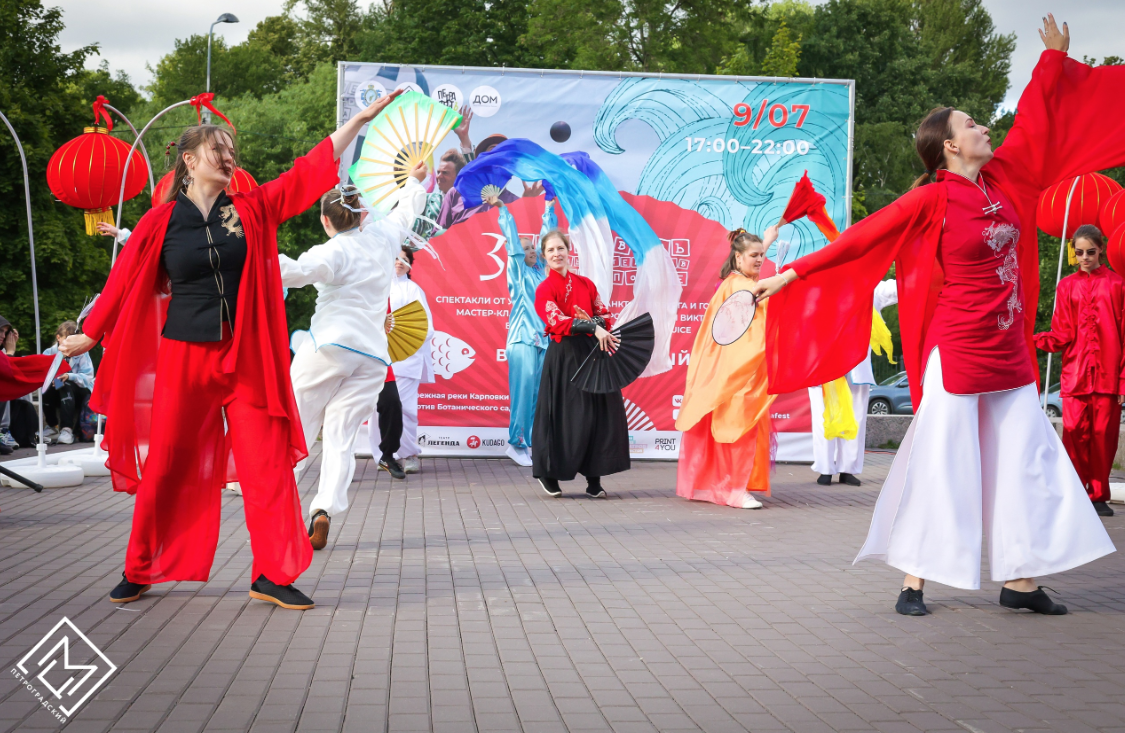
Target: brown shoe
[318, 530]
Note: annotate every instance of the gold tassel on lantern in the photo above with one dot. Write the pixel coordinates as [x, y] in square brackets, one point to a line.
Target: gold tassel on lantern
[96, 216]
[839, 414]
[1071, 258]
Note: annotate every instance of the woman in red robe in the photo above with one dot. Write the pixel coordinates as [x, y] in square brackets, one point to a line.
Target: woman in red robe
[1089, 328]
[979, 456]
[196, 368]
[574, 431]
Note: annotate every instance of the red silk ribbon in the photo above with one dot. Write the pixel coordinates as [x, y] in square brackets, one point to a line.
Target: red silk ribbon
[100, 111]
[200, 101]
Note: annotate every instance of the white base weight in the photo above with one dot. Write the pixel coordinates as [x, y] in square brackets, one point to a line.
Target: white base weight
[51, 477]
[90, 460]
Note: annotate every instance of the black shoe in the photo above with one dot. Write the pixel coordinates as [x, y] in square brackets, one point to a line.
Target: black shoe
[1103, 509]
[391, 466]
[127, 592]
[285, 596]
[910, 603]
[824, 480]
[1037, 600]
[850, 480]
[5, 450]
[551, 486]
[594, 488]
[318, 529]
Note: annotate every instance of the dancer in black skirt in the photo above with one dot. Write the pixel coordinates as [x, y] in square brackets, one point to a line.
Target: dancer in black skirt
[575, 431]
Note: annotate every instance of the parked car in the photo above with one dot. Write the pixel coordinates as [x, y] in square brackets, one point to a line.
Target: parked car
[1054, 401]
[891, 397]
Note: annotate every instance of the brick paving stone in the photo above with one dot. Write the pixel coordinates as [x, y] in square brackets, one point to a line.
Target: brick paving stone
[464, 600]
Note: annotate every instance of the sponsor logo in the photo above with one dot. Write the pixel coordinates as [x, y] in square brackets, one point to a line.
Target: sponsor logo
[63, 670]
[450, 96]
[425, 440]
[494, 442]
[409, 86]
[369, 91]
[677, 400]
[485, 101]
[473, 442]
[665, 444]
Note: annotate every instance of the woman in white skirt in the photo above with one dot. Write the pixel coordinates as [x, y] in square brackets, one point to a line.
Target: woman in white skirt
[980, 457]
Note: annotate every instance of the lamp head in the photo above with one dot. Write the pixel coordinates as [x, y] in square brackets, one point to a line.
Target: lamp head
[227, 18]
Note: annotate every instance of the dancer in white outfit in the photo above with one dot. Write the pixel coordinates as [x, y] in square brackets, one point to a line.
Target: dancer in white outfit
[410, 372]
[338, 373]
[845, 457]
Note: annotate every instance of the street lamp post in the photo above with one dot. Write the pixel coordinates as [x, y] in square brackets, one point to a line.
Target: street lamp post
[224, 18]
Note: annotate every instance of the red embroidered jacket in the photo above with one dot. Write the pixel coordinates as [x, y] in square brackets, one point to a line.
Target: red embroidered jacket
[558, 296]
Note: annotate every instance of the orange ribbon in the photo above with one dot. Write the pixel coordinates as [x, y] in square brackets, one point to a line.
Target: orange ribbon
[100, 112]
[199, 101]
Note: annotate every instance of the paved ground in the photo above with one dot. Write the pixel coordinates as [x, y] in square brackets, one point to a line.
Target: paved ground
[466, 600]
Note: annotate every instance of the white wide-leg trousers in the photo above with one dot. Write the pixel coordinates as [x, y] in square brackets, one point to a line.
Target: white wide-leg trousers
[839, 455]
[975, 464]
[335, 389]
[408, 394]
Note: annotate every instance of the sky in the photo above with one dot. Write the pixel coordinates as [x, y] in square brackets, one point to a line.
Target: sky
[133, 33]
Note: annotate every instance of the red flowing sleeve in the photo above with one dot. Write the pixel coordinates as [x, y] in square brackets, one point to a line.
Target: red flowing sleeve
[1070, 120]
[1061, 334]
[549, 310]
[819, 326]
[21, 375]
[301, 186]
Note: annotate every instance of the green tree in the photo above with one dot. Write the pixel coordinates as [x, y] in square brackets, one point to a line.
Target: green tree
[45, 97]
[784, 53]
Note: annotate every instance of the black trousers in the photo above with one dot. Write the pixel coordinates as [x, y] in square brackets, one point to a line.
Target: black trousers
[389, 408]
[63, 405]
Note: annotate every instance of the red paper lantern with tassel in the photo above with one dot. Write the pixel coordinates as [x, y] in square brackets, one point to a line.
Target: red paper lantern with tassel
[1115, 250]
[1112, 215]
[86, 172]
[1093, 191]
[240, 182]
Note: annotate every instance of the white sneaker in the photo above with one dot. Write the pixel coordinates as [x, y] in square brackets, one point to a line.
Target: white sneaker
[522, 456]
[66, 437]
[412, 464]
[749, 502]
[49, 432]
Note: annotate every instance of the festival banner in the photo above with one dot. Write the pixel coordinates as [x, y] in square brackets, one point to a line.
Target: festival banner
[696, 156]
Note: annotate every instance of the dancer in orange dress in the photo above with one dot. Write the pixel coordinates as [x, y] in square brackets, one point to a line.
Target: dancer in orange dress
[725, 416]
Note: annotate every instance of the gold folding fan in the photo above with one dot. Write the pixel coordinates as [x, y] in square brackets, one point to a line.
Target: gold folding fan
[409, 331]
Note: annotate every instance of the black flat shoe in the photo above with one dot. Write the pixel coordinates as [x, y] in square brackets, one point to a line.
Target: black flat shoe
[286, 596]
[850, 480]
[551, 486]
[1103, 509]
[910, 603]
[594, 488]
[318, 529]
[393, 467]
[824, 479]
[127, 592]
[1037, 601]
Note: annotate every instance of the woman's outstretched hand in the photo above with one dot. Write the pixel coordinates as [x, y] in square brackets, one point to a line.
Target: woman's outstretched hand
[1053, 38]
[606, 340]
[769, 286]
[75, 344]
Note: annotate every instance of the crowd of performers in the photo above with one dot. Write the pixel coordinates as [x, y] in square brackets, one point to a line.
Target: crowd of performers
[212, 361]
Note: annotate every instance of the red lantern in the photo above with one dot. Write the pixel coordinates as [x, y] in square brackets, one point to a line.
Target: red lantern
[1092, 191]
[1115, 250]
[86, 172]
[1112, 215]
[240, 182]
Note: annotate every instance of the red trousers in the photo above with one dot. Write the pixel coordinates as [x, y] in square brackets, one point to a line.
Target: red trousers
[1091, 424]
[176, 516]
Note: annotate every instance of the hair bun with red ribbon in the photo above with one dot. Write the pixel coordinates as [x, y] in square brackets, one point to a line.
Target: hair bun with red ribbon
[199, 101]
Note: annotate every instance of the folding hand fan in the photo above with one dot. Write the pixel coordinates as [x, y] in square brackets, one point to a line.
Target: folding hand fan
[403, 134]
[409, 331]
[604, 372]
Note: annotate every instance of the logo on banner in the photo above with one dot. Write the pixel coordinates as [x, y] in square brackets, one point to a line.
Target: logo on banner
[409, 86]
[665, 444]
[450, 96]
[368, 92]
[451, 355]
[473, 442]
[437, 441]
[485, 101]
[54, 665]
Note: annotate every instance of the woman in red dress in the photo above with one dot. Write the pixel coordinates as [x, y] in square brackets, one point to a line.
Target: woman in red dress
[196, 368]
[574, 431]
[980, 456]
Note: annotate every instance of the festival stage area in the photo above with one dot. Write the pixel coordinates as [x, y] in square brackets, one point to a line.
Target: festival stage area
[465, 599]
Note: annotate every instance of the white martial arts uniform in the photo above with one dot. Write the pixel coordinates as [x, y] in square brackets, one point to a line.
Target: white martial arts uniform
[986, 463]
[338, 373]
[846, 456]
[409, 373]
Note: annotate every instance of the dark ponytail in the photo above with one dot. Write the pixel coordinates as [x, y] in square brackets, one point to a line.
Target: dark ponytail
[929, 142]
[740, 241]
